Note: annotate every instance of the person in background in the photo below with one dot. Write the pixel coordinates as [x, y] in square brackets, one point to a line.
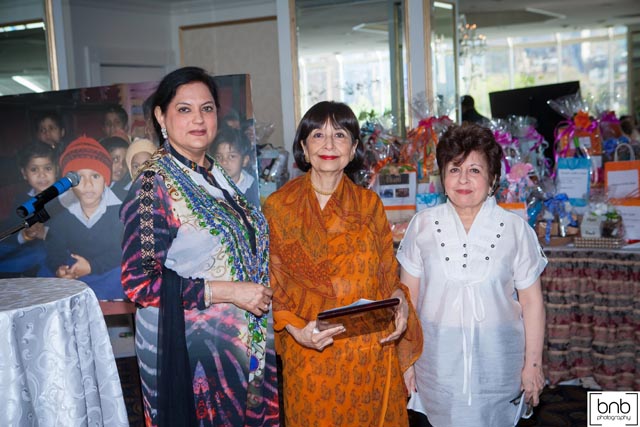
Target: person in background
[249, 130]
[117, 149]
[84, 238]
[232, 150]
[116, 122]
[138, 152]
[628, 126]
[51, 131]
[231, 119]
[473, 269]
[195, 262]
[23, 254]
[469, 112]
[149, 130]
[331, 245]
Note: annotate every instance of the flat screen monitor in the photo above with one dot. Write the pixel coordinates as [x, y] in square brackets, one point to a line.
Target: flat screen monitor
[532, 102]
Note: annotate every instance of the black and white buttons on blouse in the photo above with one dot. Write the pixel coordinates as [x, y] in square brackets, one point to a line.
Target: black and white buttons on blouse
[502, 224]
[464, 255]
[493, 246]
[438, 230]
[437, 222]
[464, 265]
[446, 259]
[498, 236]
[442, 244]
[487, 258]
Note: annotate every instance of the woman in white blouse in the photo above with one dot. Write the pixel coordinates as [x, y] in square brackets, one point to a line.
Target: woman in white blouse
[473, 270]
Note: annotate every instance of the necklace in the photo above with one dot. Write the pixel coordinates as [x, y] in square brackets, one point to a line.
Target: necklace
[324, 193]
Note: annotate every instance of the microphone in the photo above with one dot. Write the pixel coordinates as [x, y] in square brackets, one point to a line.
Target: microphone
[36, 203]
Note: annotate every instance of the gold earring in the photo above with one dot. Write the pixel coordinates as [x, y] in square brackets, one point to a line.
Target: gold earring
[306, 157]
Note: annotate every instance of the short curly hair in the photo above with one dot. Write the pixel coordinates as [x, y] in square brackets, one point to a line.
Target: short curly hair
[458, 141]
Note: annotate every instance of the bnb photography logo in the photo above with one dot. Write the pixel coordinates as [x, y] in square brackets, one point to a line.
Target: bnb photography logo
[612, 408]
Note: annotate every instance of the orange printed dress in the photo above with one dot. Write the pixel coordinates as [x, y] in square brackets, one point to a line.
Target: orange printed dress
[325, 258]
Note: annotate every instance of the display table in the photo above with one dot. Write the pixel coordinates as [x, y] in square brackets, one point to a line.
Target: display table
[592, 299]
[56, 363]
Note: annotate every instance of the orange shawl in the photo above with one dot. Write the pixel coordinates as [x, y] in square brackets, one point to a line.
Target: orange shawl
[321, 259]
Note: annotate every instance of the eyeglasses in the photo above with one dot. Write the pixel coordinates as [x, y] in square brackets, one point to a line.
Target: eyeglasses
[518, 401]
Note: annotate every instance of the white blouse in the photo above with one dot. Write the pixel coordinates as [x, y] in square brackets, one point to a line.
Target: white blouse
[473, 351]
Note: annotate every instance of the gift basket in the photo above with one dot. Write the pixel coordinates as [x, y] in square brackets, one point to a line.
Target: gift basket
[578, 136]
[420, 148]
[403, 171]
[387, 175]
[601, 227]
[273, 167]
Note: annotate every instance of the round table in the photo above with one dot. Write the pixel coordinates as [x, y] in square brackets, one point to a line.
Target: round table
[56, 362]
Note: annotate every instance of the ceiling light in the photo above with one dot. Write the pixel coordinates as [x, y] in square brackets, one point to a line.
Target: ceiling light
[372, 27]
[442, 5]
[21, 27]
[27, 83]
[545, 12]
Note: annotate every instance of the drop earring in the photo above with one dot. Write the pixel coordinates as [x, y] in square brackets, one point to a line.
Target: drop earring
[164, 133]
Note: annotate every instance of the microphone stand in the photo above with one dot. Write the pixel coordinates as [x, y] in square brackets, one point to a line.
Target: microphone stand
[40, 215]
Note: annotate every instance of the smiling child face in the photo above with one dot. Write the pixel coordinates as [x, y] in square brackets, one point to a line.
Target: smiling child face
[40, 173]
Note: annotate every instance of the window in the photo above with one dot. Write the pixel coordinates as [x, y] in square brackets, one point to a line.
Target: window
[597, 58]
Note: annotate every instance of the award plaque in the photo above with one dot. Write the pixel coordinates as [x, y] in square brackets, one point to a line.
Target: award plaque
[362, 317]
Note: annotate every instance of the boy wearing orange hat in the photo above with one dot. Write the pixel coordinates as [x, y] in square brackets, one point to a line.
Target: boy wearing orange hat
[84, 239]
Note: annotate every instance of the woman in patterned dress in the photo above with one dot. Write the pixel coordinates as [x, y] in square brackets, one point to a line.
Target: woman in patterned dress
[195, 262]
[331, 245]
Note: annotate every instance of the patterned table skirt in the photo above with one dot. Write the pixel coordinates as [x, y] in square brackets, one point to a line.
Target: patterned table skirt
[592, 302]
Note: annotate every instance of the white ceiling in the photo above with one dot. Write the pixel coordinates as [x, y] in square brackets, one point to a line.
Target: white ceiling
[330, 22]
[506, 17]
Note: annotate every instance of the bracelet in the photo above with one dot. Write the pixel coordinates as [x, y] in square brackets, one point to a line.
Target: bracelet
[207, 294]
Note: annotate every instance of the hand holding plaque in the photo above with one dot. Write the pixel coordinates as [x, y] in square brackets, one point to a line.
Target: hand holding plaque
[360, 318]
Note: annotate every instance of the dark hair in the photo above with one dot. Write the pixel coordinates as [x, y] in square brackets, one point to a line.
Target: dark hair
[341, 117]
[53, 115]
[120, 112]
[459, 141]
[147, 108]
[169, 85]
[626, 124]
[112, 142]
[231, 115]
[37, 150]
[235, 138]
[467, 101]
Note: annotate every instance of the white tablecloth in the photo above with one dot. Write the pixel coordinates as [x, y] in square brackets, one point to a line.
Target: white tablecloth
[56, 363]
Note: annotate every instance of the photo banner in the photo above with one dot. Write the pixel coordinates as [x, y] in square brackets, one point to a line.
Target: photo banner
[35, 132]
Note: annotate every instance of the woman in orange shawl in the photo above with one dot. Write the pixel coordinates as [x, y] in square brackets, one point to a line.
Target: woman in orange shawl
[330, 246]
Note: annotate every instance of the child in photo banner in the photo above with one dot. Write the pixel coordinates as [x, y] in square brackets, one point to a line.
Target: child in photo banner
[84, 239]
[138, 152]
[232, 150]
[117, 148]
[23, 254]
[116, 122]
[50, 130]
